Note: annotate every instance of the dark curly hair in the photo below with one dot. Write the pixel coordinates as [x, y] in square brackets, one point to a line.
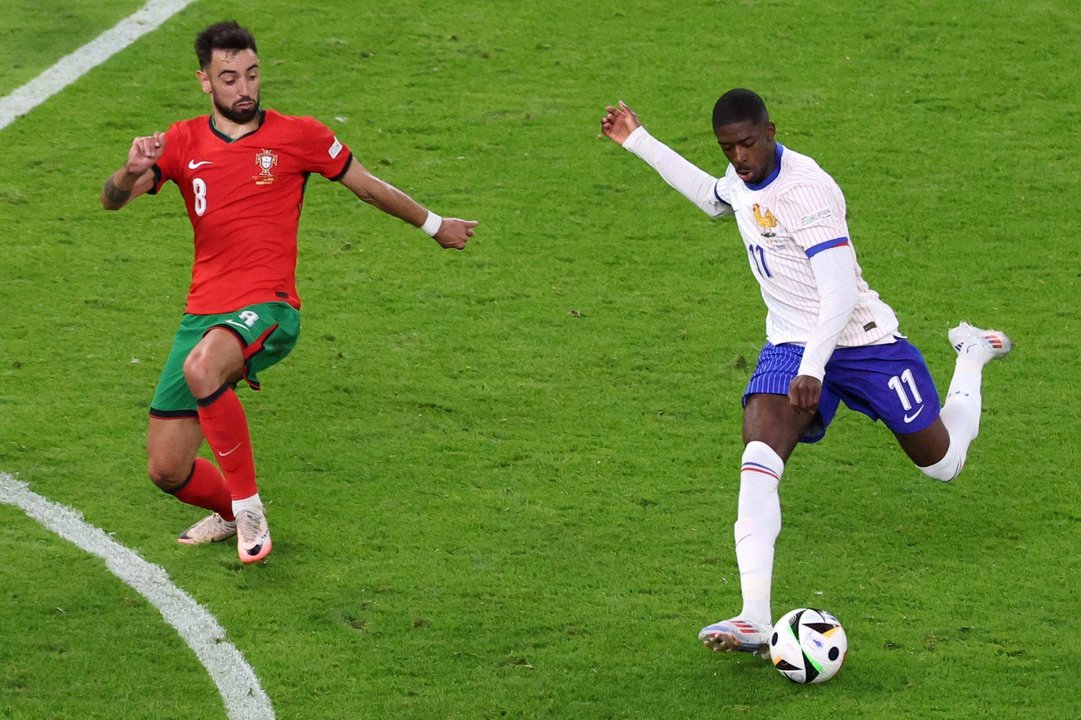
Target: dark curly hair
[222, 36]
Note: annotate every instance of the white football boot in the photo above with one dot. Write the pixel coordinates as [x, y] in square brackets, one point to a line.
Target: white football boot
[737, 634]
[212, 528]
[252, 535]
[977, 342]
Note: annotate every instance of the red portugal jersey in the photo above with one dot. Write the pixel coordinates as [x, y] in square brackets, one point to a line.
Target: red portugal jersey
[244, 198]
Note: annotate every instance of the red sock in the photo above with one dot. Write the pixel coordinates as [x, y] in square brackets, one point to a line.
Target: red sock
[205, 488]
[225, 426]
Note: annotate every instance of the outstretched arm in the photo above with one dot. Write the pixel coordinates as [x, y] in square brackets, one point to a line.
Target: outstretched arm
[448, 232]
[621, 125]
[136, 176]
[619, 122]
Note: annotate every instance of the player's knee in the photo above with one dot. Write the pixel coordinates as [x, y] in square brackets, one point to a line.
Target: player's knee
[198, 376]
[948, 468]
[167, 478]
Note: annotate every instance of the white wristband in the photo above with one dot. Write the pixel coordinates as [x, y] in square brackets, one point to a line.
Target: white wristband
[432, 224]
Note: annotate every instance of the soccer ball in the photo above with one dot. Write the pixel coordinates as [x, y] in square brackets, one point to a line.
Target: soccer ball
[808, 645]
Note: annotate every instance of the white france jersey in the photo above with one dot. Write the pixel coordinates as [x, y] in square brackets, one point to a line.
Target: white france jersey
[795, 213]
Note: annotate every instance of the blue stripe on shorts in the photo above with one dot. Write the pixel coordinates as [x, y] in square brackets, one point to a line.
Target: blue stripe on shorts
[890, 383]
[777, 366]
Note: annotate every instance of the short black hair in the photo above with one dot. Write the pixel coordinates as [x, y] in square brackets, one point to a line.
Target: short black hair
[739, 105]
[226, 35]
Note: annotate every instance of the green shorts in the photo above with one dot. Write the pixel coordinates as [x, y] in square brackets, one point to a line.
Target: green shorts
[267, 333]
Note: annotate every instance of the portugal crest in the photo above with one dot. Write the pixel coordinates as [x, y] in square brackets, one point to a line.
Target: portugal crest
[265, 160]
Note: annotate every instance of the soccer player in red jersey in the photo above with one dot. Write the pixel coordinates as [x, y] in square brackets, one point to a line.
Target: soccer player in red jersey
[242, 172]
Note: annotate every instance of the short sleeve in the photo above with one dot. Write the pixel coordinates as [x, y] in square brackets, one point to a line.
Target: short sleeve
[324, 153]
[814, 214]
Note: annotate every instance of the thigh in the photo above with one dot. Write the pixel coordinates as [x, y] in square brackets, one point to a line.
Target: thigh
[777, 366]
[217, 359]
[239, 345]
[773, 420]
[274, 337]
[172, 396]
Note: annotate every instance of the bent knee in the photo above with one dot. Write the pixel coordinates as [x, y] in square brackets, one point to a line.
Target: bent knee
[200, 378]
[948, 468]
[167, 478]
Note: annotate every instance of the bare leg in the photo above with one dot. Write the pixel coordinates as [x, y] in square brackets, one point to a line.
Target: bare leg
[927, 446]
[217, 359]
[211, 369]
[773, 420]
[171, 447]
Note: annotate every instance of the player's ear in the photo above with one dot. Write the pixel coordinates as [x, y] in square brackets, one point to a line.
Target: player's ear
[204, 80]
[771, 130]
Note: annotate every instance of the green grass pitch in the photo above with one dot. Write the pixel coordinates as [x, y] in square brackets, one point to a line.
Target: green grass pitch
[502, 482]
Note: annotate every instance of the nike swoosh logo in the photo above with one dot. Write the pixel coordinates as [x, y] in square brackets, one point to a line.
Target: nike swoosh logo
[910, 418]
[227, 453]
[193, 165]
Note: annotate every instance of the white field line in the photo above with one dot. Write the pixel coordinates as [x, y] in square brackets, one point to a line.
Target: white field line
[71, 67]
[236, 681]
[239, 687]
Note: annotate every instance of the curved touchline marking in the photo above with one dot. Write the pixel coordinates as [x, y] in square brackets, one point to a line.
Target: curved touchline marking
[239, 687]
[71, 67]
[236, 681]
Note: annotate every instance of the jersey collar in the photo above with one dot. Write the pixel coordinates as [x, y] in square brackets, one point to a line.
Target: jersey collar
[226, 138]
[772, 176]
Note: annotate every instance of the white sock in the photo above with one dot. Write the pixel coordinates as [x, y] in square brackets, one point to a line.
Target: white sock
[964, 394]
[960, 415]
[758, 523]
[248, 502]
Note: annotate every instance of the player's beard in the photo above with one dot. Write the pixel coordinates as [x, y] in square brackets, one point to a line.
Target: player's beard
[240, 117]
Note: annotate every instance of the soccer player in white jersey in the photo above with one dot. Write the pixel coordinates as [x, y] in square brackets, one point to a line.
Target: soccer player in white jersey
[829, 336]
